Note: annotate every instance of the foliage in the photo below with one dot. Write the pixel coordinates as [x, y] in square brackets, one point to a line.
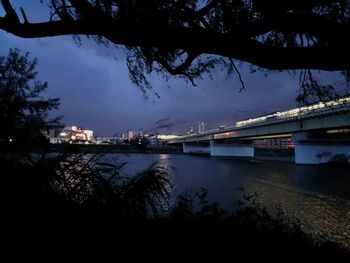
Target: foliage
[23, 110]
[190, 38]
[250, 228]
[73, 191]
[84, 182]
[196, 207]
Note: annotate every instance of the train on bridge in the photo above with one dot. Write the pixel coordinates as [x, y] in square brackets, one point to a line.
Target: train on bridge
[317, 108]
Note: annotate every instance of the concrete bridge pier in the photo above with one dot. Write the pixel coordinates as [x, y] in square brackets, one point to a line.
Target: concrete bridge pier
[199, 148]
[234, 149]
[321, 147]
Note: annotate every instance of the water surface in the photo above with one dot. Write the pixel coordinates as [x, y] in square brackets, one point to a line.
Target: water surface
[317, 195]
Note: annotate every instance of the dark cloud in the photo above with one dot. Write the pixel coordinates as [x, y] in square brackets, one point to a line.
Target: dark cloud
[96, 93]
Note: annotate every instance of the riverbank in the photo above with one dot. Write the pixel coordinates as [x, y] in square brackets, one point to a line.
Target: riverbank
[95, 148]
[260, 154]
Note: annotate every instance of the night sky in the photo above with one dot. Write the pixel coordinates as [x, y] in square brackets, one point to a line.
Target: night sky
[96, 93]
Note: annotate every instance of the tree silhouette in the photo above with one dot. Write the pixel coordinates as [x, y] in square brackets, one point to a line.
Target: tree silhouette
[23, 112]
[190, 37]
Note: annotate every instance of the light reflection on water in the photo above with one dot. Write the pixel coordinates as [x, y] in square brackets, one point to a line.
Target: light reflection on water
[318, 196]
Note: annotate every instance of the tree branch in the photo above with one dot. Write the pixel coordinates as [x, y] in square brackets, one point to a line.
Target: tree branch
[10, 12]
[181, 69]
[235, 45]
[226, 45]
[285, 5]
[322, 28]
[239, 75]
[24, 16]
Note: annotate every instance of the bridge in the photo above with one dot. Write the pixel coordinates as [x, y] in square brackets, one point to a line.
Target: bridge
[320, 132]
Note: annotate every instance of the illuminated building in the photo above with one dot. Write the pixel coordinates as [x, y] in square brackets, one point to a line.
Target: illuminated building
[127, 135]
[76, 134]
[190, 129]
[201, 127]
[198, 127]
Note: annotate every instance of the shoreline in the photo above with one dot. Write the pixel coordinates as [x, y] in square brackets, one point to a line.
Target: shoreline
[276, 155]
[81, 148]
[280, 156]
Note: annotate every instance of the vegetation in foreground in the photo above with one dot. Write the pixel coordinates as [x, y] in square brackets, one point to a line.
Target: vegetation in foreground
[76, 194]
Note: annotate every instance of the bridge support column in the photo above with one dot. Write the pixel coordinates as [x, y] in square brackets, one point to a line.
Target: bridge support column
[196, 148]
[234, 149]
[317, 148]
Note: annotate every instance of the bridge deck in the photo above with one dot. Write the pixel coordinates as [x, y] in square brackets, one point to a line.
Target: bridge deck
[335, 114]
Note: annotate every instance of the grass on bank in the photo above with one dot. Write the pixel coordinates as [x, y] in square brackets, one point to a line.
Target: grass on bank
[80, 191]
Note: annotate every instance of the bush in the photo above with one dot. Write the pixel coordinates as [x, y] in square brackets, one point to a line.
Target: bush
[80, 192]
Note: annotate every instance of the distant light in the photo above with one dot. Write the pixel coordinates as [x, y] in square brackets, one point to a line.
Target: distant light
[166, 136]
[163, 156]
[339, 131]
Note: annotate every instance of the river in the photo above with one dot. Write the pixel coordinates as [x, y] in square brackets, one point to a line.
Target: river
[318, 196]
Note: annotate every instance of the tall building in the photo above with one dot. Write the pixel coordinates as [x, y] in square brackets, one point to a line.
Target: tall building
[190, 129]
[201, 127]
[197, 127]
[128, 135]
